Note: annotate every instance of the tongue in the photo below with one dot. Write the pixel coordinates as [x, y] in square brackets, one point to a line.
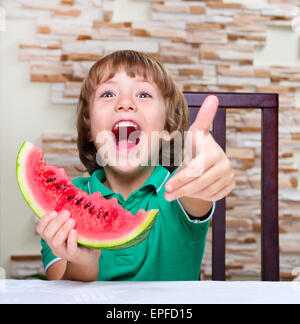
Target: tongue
[126, 145]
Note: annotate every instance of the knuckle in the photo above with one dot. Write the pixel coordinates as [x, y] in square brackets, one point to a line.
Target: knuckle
[224, 169]
[209, 192]
[60, 236]
[48, 217]
[229, 181]
[46, 236]
[229, 166]
[178, 193]
[56, 244]
[218, 154]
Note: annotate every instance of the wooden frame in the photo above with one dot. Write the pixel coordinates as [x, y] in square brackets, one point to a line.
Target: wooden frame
[268, 103]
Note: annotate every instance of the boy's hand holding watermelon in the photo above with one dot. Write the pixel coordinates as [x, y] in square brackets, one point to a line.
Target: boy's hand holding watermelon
[59, 233]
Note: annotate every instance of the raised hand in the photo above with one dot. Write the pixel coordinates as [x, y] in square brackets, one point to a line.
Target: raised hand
[206, 172]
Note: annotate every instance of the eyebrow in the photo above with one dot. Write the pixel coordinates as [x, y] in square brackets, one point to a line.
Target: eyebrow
[114, 82]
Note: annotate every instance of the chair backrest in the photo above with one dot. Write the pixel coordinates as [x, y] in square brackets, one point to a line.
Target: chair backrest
[268, 103]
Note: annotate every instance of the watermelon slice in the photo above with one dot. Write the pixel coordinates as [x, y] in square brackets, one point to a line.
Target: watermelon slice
[100, 223]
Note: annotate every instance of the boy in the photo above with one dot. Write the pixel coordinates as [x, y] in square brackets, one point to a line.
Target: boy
[131, 89]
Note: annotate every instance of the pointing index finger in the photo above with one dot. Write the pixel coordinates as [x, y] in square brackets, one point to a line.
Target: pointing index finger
[184, 176]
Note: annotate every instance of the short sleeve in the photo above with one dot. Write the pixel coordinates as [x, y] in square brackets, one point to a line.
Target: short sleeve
[48, 257]
[196, 220]
[192, 228]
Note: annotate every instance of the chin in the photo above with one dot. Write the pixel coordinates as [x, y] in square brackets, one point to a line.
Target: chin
[125, 169]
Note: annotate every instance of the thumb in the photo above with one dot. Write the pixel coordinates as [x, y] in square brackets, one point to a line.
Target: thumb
[206, 114]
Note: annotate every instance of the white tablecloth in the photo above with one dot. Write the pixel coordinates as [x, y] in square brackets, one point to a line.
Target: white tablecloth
[195, 292]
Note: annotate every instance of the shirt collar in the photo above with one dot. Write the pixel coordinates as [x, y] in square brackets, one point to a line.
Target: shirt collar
[156, 180]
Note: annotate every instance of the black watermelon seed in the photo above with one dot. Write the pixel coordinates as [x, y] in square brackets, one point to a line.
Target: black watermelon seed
[50, 180]
[78, 202]
[87, 205]
[105, 215]
[100, 214]
[62, 186]
[71, 197]
[92, 209]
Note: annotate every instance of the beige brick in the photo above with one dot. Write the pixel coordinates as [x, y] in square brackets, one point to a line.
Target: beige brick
[197, 72]
[37, 54]
[247, 28]
[238, 152]
[81, 57]
[168, 33]
[205, 26]
[104, 24]
[50, 45]
[244, 18]
[111, 33]
[235, 71]
[238, 223]
[43, 30]
[67, 12]
[197, 9]
[176, 59]
[214, 4]
[170, 9]
[273, 88]
[227, 52]
[68, 2]
[49, 78]
[206, 37]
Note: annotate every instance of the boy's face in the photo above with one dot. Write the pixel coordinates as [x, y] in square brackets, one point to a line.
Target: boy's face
[126, 116]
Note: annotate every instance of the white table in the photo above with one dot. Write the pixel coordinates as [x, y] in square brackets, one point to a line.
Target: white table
[189, 292]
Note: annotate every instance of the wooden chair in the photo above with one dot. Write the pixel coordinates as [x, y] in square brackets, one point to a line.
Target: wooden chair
[268, 103]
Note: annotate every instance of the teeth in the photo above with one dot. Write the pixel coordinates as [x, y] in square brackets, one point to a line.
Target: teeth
[125, 124]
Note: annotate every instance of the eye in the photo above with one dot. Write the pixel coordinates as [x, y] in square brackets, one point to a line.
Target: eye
[107, 94]
[145, 95]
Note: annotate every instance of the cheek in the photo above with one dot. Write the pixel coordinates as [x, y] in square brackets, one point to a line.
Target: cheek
[156, 118]
[156, 122]
[94, 121]
[97, 120]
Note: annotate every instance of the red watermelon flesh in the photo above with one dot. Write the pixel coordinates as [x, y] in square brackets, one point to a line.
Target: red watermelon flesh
[100, 223]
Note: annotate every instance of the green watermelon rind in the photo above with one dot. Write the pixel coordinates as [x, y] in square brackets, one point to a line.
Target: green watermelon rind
[26, 147]
[133, 238]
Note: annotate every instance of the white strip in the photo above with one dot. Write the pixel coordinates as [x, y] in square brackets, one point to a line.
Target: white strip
[158, 189]
[198, 221]
[89, 188]
[52, 262]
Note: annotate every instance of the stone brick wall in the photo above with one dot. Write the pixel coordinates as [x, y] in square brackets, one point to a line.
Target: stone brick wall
[207, 46]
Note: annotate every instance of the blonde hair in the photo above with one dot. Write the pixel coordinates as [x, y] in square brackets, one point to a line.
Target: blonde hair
[135, 64]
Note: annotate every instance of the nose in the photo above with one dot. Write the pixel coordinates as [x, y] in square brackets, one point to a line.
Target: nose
[124, 104]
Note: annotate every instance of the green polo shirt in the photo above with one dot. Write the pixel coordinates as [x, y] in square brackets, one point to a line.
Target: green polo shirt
[174, 248]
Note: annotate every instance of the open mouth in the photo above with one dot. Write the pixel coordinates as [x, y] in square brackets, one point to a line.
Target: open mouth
[127, 134]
